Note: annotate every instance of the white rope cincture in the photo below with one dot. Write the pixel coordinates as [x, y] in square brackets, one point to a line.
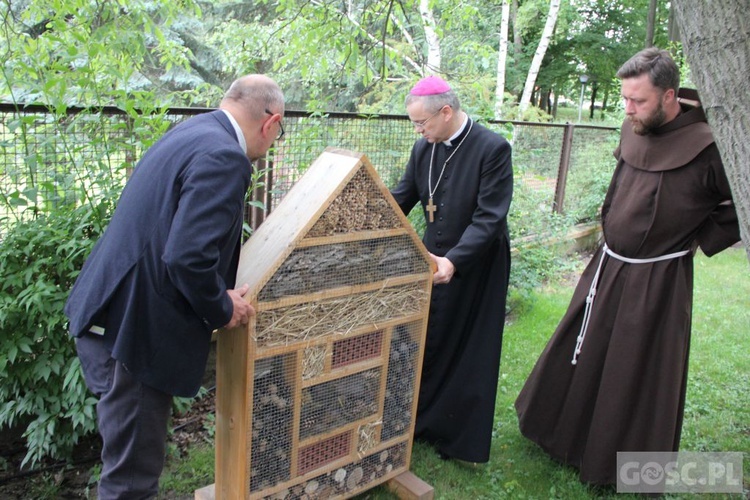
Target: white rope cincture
[595, 283]
[587, 309]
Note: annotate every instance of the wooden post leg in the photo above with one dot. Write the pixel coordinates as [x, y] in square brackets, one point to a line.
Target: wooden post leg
[206, 493]
[407, 486]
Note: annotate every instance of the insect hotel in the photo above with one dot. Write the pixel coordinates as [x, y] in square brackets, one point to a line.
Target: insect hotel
[316, 397]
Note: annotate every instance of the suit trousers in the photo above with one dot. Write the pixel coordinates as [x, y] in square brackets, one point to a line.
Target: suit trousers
[132, 419]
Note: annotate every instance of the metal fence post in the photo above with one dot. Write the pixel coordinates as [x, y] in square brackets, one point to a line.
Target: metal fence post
[562, 172]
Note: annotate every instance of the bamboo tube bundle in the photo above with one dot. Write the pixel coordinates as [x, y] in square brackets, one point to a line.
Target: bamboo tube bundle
[360, 206]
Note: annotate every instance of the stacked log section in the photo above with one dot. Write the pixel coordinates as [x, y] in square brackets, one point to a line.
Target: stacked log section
[399, 392]
[273, 405]
[343, 482]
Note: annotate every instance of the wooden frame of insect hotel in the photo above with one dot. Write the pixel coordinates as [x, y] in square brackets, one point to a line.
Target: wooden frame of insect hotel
[316, 397]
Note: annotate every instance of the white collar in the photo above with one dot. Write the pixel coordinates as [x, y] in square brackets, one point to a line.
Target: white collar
[238, 130]
[458, 132]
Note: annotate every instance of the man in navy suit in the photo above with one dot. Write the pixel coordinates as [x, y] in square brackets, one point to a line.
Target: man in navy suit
[162, 278]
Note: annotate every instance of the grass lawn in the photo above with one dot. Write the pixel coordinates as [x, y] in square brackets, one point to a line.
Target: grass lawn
[717, 416]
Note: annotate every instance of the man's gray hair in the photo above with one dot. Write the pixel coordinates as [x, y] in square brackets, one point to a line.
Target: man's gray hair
[433, 103]
[657, 63]
[256, 94]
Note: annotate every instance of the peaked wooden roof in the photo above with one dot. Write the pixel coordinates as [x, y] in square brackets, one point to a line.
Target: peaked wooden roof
[289, 223]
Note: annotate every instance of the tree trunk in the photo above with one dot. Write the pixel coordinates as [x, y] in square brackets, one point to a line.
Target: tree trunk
[536, 63]
[651, 25]
[594, 89]
[433, 42]
[715, 36]
[501, 60]
[672, 31]
[517, 41]
[554, 106]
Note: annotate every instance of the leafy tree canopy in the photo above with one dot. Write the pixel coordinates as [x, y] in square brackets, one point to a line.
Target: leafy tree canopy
[360, 55]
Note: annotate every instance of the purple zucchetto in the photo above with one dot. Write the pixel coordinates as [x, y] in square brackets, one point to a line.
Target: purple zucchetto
[430, 85]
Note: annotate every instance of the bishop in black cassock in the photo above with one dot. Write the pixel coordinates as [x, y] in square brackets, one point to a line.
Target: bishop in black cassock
[462, 175]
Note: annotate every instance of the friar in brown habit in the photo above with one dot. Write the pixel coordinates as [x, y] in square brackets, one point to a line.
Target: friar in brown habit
[613, 376]
[461, 174]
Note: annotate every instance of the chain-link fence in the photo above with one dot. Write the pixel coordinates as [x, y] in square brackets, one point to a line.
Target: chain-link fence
[48, 160]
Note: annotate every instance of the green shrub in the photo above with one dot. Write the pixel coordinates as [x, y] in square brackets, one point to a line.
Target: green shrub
[43, 389]
[588, 180]
[533, 224]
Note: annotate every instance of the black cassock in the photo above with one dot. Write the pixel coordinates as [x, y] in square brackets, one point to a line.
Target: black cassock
[464, 335]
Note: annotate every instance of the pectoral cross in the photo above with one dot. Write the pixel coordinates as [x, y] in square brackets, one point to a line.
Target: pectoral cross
[431, 208]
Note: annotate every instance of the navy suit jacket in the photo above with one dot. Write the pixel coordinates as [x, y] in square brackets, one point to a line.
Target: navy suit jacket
[157, 278]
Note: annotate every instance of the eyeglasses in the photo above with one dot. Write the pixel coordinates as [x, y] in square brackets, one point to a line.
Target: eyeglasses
[420, 125]
[281, 127]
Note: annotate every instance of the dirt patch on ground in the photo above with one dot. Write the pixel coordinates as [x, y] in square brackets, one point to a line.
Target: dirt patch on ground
[48, 479]
[57, 480]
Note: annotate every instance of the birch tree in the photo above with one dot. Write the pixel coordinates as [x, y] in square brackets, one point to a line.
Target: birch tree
[501, 59]
[716, 40]
[536, 63]
[431, 37]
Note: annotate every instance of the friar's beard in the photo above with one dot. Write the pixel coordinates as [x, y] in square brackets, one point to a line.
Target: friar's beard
[655, 120]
